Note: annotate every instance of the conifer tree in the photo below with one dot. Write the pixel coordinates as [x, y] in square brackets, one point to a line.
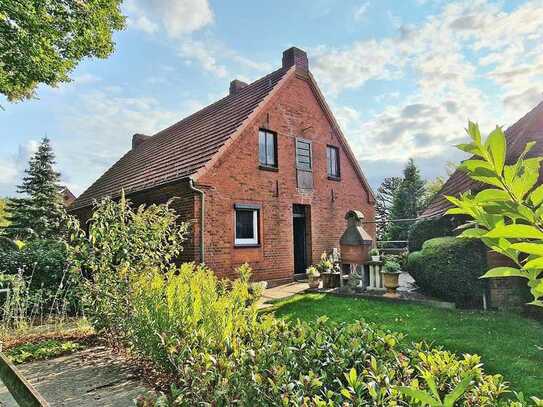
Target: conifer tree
[39, 212]
[408, 201]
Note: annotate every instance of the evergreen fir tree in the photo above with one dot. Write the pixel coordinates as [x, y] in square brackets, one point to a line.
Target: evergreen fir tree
[383, 204]
[40, 212]
[407, 202]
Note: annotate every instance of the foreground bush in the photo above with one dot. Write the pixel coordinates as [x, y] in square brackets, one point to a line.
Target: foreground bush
[449, 268]
[208, 338]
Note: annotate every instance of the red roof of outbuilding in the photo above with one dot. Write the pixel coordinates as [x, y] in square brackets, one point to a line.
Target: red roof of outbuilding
[528, 128]
[183, 148]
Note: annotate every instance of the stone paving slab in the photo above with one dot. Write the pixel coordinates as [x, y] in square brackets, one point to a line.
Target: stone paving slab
[280, 292]
[90, 378]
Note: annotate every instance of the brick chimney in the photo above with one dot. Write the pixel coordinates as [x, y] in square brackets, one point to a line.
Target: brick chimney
[295, 56]
[236, 85]
[137, 139]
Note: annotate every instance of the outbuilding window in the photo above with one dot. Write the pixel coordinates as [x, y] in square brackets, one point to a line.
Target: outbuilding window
[303, 154]
[247, 233]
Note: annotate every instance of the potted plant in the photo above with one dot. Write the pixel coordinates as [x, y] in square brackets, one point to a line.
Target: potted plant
[313, 277]
[374, 253]
[391, 273]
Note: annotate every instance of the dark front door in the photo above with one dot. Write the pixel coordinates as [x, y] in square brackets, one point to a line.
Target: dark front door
[300, 234]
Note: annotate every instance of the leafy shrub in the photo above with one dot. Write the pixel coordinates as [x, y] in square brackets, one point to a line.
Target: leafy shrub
[449, 268]
[426, 229]
[42, 350]
[122, 239]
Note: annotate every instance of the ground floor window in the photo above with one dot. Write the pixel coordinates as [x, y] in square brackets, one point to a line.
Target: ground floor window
[246, 233]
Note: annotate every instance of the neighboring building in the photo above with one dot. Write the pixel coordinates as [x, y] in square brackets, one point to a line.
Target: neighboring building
[265, 173]
[508, 291]
[528, 128]
[67, 197]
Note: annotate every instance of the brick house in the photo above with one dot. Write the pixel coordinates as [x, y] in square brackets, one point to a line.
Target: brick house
[264, 174]
[502, 292]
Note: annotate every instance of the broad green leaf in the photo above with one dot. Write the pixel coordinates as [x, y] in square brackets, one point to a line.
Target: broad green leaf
[534, 264]
[492, 194]
[473, 132]
[530, 248]
[516, 232]
[537, 289]
[458, 391]
[504, 272]
[537, 303]
[346, 393]
[536, 196]
[472, 233]
[418, 395]
[495, 145]
[469, 148]
[457, 211]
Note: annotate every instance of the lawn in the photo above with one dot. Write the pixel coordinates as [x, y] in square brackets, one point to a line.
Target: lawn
[509, 344]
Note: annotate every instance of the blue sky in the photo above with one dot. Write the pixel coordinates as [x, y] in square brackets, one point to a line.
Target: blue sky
[403, 77]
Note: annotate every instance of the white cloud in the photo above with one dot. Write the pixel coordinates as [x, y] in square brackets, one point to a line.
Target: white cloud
[12, 167]
[360, 11]
[176, 17]
[445, 56]
[201, 52]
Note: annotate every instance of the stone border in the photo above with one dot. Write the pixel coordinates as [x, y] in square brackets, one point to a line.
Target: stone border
[416, 301]
[21, 390]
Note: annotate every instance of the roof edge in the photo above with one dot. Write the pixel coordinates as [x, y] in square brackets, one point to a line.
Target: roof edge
[241, 128]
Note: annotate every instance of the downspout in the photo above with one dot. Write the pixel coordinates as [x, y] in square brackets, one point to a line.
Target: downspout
[202, 214]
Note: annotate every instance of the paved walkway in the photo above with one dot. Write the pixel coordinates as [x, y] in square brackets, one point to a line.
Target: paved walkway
[90, 378]
[282, 291]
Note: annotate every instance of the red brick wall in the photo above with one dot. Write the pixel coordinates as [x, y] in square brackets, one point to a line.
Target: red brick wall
[236, 178]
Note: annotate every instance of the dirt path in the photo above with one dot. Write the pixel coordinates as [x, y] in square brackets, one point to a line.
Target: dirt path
[92, 377]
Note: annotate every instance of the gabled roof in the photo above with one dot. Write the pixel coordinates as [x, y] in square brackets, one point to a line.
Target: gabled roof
[183, 148]
[529, 128]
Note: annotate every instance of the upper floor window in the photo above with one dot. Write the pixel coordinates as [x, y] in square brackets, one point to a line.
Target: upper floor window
[303, 154]
[267, 148]
[332, 159]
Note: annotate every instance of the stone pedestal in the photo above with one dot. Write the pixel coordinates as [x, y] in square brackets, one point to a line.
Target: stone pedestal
[375, 282]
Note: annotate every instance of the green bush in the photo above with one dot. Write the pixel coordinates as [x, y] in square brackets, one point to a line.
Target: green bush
[425, 229]
[449, 268]
[44, 261]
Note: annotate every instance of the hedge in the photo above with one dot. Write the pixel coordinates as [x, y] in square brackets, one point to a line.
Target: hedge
[425, 229]
[449, 268]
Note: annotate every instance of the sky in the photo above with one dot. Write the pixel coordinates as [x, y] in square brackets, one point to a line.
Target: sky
[402, 77]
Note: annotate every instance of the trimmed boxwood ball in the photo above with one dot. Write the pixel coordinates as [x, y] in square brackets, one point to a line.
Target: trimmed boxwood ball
[449, 268]
[425, 229]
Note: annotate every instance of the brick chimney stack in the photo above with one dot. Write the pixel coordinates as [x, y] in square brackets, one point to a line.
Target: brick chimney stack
[236, 85]
[295, 56]
[137, 139]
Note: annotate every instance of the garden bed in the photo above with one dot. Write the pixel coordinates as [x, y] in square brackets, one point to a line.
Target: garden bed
[508, 343]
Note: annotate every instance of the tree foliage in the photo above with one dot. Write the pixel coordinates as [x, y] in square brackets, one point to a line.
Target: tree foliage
[407, 202]
[508, 215]
[40, 212]
[43, 41]
[3, 219]
[383, 204]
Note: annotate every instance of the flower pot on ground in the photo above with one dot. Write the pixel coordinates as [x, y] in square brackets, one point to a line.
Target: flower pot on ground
[391, 273]
[313, 277]
[374, 254]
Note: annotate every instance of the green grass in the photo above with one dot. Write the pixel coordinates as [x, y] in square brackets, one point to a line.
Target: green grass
[509, 344]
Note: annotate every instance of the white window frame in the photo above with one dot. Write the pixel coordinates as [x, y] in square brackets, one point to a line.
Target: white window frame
[251, 241]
